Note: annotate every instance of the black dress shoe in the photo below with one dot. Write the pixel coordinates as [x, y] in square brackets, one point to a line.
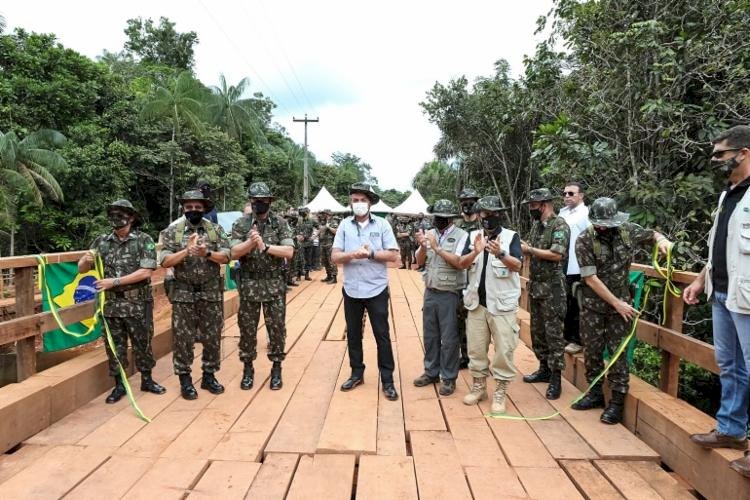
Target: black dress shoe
[187, 389]
[210, 383]
[390, 392]
[352, 382]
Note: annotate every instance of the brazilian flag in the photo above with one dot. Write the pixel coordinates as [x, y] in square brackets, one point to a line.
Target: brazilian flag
[229, 283]
[65, 287]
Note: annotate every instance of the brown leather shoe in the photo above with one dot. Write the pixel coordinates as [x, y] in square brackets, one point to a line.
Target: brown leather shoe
[742, 465]
[714, 439]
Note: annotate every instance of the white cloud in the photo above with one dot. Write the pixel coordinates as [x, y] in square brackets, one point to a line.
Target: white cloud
[364, 67]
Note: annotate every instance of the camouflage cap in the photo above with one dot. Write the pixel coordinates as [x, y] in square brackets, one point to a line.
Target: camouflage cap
[603, 212]
[303, 210]
[259, 190]
[468, 194]
[366, 189]
[126, 207]
[443, 208]
[326, 211]
[195, 195]
[489, 204]
[541, 194]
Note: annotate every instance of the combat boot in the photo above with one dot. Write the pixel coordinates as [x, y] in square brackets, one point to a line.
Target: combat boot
[594, 399]
[187, 389]
[541, 375]
[326, 279]
[291, 283]
[333, 280]
[248, 376]
[307, 276]
[148, 384]
[478, 391]
[555, 385]
[613, 414]
[210, 383]
[498, 399]
[117, 393]
[276, 382]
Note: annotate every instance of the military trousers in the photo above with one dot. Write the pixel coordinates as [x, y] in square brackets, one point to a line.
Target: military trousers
[406, 253]
[330, 267]
[440, 330]
[140, 330]
[192, 322]
[274, 313]
[503, 330]
[600, 331]
[547, 338]
[308, 255]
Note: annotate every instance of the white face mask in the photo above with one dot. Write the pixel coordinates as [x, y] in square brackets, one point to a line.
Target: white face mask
[360, 208]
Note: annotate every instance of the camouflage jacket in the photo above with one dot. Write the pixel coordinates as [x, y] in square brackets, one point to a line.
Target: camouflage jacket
[261, 274]
[196, 278]
[121, 258]
[328, 233]
[305, 227]
[403, 227]
[609, 257]
[545, 275]
[468, 226]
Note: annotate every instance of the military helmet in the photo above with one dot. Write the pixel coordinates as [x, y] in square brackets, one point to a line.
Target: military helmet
[303, 210]
[326, 211]
[443, 208]
[126, 207]
[489, 204]
[195, 195]
[541, 194]
[468, 194]
[366, 189]
[259, 190]
[603, 212]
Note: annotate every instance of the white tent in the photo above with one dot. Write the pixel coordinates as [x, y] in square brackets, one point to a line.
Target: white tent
[325, 201]
[413, 205]
[381, 207]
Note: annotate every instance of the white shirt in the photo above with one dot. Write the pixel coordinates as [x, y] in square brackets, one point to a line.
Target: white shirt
[578, 220]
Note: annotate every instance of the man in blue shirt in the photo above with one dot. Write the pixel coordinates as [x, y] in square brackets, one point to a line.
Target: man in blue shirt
[364, 244]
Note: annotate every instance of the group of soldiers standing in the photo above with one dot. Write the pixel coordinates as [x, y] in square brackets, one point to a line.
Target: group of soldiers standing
[312, 245]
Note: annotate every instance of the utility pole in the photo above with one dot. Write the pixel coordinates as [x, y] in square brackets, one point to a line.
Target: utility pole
[306, 183]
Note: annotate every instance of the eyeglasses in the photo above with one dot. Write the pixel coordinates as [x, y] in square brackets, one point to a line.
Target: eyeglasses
[569, 193]
[715, 154]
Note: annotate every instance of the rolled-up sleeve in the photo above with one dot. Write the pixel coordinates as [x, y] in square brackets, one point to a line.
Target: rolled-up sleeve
[585, 255]
[148, 253]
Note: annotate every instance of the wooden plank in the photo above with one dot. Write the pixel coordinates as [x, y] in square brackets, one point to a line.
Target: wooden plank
[31, 262]
[661, 481]
[391, 431]
[471, 434]
[386, 477]
[55, 473]
[337, 331]
[25, 348]
[24, 410]
[225, 480]
[489, 483]
[13, 463]
[323, 476]
[152, 439]
[438, 466]
[421, 407]
[626, 480]
[683, 346]
[589, 480]
[300, 426]
[168, 478]
[274, 477]
[351, 421]
[550, 484]
[669, 373]
[113, 479]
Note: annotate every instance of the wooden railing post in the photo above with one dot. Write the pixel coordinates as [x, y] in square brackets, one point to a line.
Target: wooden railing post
[669, 377]
[25, 348]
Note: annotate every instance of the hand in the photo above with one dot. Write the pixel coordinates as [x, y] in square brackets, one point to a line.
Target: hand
[105, 284]
[257, 241]
[691, 293]
[362, 252]
[627, 311]
[88, 258]
[479, 243]
[432, 240]
[494, 247]
[192, 241]
[525, 247]
[419, 237]
[199, 250]
[664, 246]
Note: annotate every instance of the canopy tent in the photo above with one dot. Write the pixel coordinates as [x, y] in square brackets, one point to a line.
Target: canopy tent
[413, 205]
[325, 201]
[381, 208]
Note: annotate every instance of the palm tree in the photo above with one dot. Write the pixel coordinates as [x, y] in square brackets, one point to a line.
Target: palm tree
[233, 114]
[181, 101]
[25, 166]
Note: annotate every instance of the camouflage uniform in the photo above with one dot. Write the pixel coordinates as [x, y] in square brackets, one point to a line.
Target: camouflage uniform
[547, 291]
[607, 256]
[128, 308]
[197, 298]
[262, 284]
[297, 265]
[305, 227]
[404, 243]
[326, 246]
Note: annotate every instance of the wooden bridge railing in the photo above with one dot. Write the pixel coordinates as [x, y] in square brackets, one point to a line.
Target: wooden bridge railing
[28, 324]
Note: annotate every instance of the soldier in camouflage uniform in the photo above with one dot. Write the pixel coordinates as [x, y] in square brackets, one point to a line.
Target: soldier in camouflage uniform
[196, 248]
[129, 258]
[469, 221]
[605, 251]
[262, 241]
[403, 234]
[420, 224]
[305, 228]
[328, 227]
[294, 267]
[547, 247]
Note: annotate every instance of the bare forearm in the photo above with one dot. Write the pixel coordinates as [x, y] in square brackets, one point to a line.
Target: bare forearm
[338, 256]
[601, 290]
[281, 251]
[174, 259]
[241, 249]
[450, 258]
[137, 276]
[218, 258]
[386, 256]
[421, 255]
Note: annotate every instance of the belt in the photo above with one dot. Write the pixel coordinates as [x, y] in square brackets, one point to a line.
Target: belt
[187, 287]
[137, 293]
[261, 275]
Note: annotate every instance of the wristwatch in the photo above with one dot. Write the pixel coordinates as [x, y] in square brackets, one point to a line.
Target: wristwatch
[265, 250]
[371, 256]
[116, 282]
[502, 254]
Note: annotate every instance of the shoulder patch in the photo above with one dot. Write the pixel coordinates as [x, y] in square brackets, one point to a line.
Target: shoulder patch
[150, 245]
[558, 234]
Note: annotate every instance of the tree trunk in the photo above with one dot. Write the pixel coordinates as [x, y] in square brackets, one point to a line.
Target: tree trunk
[171, 178]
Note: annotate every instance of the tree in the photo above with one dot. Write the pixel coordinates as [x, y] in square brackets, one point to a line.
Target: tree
[436, 180]
[25, 166]
[234, 114]
[162, 44]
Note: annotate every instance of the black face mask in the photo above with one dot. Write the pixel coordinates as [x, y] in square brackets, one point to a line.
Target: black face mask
[261, 207]
[536, 213]
[194, 217]
[605, 232]
[467, 209]
[726, 166]
[442, 222]
[491, 223]
[117, 220]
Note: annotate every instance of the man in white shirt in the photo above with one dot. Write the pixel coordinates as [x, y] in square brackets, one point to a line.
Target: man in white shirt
[576, 214]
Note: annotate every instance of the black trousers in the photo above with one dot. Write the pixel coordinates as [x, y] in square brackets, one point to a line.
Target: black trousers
[377, 311]
[308, 258]
[571, 329]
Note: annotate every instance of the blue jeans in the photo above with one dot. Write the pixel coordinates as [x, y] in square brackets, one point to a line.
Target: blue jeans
[732, 342]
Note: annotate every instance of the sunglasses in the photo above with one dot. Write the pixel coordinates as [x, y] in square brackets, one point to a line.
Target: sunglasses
[715, 154]
[569, 193]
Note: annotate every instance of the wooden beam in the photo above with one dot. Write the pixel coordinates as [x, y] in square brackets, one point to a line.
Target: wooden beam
[683, 277]
[25, 349]
[31, 262]
[679, 344]
[669, 376]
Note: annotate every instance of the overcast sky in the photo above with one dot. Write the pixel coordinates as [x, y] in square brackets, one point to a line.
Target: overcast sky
[361, 67]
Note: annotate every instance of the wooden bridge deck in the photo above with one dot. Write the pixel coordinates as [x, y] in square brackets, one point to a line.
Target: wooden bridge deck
[309, 440]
